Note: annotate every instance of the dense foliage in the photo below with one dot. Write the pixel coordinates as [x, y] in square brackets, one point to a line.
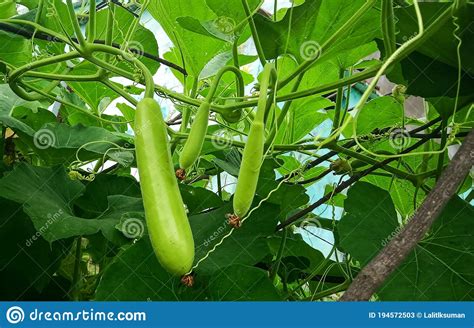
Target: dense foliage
[335, 163]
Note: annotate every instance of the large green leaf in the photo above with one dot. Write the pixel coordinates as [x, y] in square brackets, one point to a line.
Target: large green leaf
[196, 49]
[7, 9]
[242, 283]
[59, 143]
[287, 197]
[247, 245]
[14, 50]
[379, 113]
[439, 268]
[402, 192]
[95, 94]
[304, 116]
[27, 261]
[142, 40]
[306, 27]
[432, 71]
[135, 275]
[8, 102]
[47, 196]
[301, 256]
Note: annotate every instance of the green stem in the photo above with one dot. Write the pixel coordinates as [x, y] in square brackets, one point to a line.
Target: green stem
[253, 29]
[444, 138]
[98, 165]
[388, 27]
[283, 113]
[186, 112]
[2, 146]
[339, 97]
[110, 27]
[240, 144]
[219, 184]
[348, 25]
[37, 27]
[54, 97]
[313, 274]
[279, 256]
[330, 291]
[15, 74]
[149, 83]
[63, 77]
[269, 78]
[77, 276]
[92, 21]
[120, 91]
[235, 52]
[399, 173]
[215, 83]
[75, 25]
[348, 99]
[275, 10]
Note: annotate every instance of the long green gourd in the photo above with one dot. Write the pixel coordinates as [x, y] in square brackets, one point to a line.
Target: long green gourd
[193, 146]
[253, 152]
[167, 222]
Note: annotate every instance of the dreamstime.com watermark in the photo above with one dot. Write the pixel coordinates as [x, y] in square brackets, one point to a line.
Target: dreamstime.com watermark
[16, 314]
[391, 236]
[44, 139]
[221, 229]
[52, 218]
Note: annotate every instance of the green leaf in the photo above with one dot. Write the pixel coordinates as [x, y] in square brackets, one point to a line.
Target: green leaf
[27, 261]
[242, 283]
[8, 102]
[306, 27]
[357, 225]
[14, 50]
[94, 201]
[432, 70]
[304, 117]
[198, 199]
[197, 49]
[288, 197]
[7, 9]
[93, 93]
[142, 39]
[379, 113]
[439, 268]
[401, 191]
[59, 143]
[303, 257]
[135, 275]
[47, 195]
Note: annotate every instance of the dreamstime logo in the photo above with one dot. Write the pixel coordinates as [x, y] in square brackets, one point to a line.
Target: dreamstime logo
[219, 231]
[225, 25]
[52, 218]
[391, 236]
[44, 138]
[134, 50]
[409, 37]
[310, 50]
[133, 228]
[223, 139]
[311, 223]
[15, 315]
[399, 139]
